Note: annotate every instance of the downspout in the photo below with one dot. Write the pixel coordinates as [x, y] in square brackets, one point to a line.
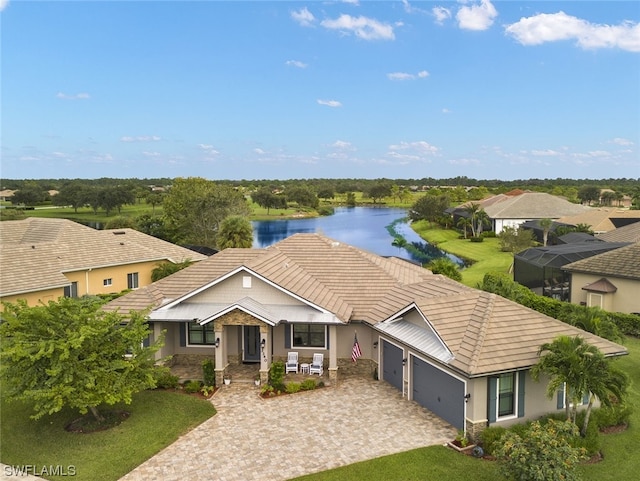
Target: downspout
[86, 280]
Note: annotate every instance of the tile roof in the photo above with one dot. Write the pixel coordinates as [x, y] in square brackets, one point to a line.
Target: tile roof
[600, 218]
[531, 205]
[601, 285]
[627, 233]
[623, 262]
[485, 333]
[35, 252]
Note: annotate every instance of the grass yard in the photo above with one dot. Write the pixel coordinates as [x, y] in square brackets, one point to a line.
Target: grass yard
[621, 460]
[157, 419]
[486, 256]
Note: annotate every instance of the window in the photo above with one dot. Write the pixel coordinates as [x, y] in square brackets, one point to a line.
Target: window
[561, 398]
[72, 290]
[309, 335]
[507, 394]
[106, 282]
[202, 335]
[132, 280]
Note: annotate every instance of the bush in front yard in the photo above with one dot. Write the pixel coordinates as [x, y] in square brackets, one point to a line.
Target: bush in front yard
[164, 378]
[308, 385]
[490, 437]
[192, 387]
[293, 387]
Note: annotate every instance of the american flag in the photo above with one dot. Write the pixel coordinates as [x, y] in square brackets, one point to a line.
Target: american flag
[355, 352]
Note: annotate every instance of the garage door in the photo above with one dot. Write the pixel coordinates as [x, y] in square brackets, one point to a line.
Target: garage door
[392, 364]
[439, 392]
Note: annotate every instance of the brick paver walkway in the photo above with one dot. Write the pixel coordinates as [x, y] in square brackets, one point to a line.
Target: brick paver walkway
[281, 438]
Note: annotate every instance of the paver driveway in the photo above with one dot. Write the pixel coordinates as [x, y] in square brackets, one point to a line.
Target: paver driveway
[288, 436]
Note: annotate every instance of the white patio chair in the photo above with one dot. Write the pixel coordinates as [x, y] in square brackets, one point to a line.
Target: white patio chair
[316, 366]
[292, 362]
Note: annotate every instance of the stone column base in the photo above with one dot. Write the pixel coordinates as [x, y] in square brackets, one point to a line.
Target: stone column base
[333, 375]
[219, 377]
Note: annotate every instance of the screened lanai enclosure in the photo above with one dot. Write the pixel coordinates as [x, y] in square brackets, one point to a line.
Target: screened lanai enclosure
[540, 268]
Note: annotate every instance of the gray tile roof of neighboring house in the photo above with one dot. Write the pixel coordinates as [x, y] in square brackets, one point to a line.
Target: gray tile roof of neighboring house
[627, 233]
[623, 262]
[35, 252]
[600, 219]
[531, 205]
[485, 333]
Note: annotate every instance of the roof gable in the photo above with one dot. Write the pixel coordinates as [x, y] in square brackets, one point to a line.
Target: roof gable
[622, 262]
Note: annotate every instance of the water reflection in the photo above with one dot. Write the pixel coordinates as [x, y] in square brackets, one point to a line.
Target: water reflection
[363, 227]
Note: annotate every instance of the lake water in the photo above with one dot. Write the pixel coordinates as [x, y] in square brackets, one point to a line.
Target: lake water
[363, 227]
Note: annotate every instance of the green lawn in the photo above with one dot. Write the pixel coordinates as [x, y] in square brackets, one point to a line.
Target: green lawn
[621, 461]
[486, 256]
[157, 419]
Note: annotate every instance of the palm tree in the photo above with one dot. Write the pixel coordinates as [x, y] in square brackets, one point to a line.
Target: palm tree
[446, 267]
[463, 223]
[165, 269]
[472, 209]
[545, 225]
[235, 231]
[580, 368]
[399, 242]
[482, 219]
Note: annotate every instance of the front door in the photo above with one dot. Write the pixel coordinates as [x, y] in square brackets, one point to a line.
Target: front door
[251, 342]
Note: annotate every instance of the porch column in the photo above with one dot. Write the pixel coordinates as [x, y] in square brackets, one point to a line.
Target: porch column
[333, 354]
[157, 332]
[265, 353]
[221, 358]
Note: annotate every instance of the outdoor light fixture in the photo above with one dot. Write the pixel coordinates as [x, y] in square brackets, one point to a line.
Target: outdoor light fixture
[263, 343]
[375, 344]
[467, 397]
[404, 361]
[217, 343]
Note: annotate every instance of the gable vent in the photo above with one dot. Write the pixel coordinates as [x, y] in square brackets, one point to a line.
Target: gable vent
[246, 282]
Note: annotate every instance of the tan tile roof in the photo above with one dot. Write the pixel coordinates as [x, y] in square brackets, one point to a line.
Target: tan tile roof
[599, 219]
[627, 233]
[531, 205]
[623, 262]
[35, 252]
[486, 333]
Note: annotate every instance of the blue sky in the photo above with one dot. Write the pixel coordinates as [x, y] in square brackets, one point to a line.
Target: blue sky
[337, 89]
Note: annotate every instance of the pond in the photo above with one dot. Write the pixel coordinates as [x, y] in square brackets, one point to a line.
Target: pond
[370, 228]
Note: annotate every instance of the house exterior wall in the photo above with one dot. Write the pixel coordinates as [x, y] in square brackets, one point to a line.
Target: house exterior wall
[625, 299]
[91, 281]
[500, 224]
[232, 290]
[34, 298]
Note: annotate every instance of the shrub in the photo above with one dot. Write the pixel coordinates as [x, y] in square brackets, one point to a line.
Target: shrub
[207, 390]
[476, 239]
[308, 385]
[612, 416]
[544, 453]
[276, 375]
[292, 387]
[326, 210]
[490, 437]
[166, 380]
[208, 372]
[192, 386]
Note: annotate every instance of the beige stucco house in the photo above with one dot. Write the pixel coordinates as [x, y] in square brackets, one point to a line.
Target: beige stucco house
[610, 280]
[44, 259]
[462, 353]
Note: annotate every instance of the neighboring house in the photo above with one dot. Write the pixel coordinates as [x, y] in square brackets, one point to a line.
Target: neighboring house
[462, 353]
[603, 219]
[517, 207]
[541, 268]
[627, 233]
[44, 259]
[610, 280]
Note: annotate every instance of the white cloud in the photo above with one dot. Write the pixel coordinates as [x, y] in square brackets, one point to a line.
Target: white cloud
[304, 17]
[362, 27]
[464, 162]
[407, 76]
[355, 3]
[151, 154]
[446, 111]
[140, 138]
[259, 151]
[342, 145]
[477, 17]
[410, 8]
[560, 26]
[620, 141]
[329, 103]
[441, 14]
[296, 63]
[546, 153]
[205, 146]
[3, 4]
[80, 96]
[420, 146]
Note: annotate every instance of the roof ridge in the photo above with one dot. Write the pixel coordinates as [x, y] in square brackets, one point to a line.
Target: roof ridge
[483, 317]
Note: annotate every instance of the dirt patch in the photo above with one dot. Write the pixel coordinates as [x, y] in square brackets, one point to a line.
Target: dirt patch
[614, 429]
[88, 424]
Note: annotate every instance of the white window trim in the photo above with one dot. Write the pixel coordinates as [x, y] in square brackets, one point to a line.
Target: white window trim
[324, 346]
[107, 282]
[564, 398]
[136, 276]
[516, 388]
